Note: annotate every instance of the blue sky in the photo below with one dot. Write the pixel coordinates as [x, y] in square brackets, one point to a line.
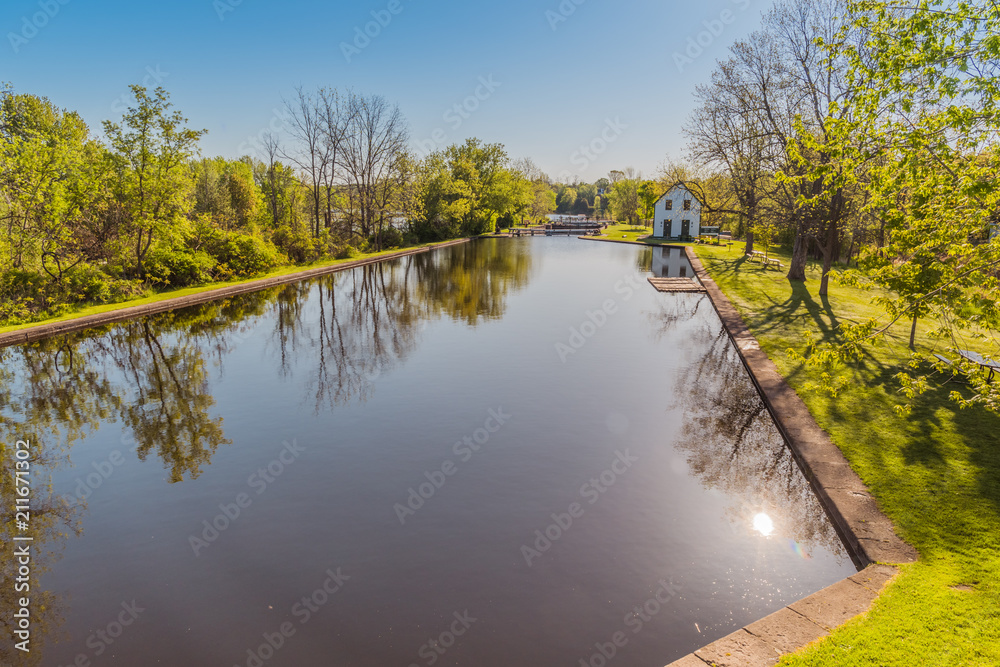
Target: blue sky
[560, 75]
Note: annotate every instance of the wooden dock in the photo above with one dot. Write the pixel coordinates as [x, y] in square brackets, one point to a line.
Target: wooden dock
[677, 285]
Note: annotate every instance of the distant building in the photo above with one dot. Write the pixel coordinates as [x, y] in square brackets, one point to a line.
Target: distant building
[677, 214]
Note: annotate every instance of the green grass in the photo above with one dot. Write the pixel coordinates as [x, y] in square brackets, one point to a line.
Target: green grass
[631, 233]
[85, 310]
[936, 474]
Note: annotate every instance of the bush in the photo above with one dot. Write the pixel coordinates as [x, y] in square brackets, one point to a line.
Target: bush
[21, 285]
[172, 267]
[348, 252]
[390, 238]
[25, 296]
[88, 284]
[297, 244]
[242, 255]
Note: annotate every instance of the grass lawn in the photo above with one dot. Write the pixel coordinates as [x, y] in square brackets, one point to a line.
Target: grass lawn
[626, 232]
[936, 473]
[84, 310]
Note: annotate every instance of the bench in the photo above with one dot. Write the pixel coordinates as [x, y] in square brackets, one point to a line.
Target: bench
[773, 262]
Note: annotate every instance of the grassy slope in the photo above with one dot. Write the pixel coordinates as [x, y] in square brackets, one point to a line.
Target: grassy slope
[936, 473]
[84, 310]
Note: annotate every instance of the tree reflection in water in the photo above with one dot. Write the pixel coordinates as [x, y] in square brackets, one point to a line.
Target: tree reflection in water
[730, 441]
[33, 408]
[369, 319]
[154, 376]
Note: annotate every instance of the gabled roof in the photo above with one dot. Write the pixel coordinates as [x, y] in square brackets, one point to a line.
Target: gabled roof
[680, 185]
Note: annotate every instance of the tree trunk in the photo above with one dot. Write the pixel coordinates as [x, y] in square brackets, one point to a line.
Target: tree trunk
[913, 331]
[749, 248]
[832, 236]
[797, 268]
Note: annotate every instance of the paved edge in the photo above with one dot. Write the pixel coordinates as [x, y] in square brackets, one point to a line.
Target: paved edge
[795, 626]
[867, 533]
[42, 331]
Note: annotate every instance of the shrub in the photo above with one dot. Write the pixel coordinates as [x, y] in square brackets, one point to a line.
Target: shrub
[298, 244]
[173, 267]
[348, 252]
[390, 238]
[89, 284]
[242, 255]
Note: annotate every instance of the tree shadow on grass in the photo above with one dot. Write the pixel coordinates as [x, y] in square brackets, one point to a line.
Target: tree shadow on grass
[946, 440]
[800, 303]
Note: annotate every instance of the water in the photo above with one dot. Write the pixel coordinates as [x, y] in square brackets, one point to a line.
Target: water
[513, 451]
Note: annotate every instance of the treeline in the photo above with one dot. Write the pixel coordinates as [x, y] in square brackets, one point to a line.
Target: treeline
[623, 196]
[868, 131]
[86, 219]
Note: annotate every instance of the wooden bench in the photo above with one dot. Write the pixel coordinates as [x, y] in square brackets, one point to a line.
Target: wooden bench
[773, 262]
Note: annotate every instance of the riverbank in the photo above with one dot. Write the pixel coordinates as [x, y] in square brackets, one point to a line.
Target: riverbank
[935, 473]
[93, 316]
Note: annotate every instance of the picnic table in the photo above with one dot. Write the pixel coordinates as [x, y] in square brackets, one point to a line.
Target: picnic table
[985, 362]
[759, 256]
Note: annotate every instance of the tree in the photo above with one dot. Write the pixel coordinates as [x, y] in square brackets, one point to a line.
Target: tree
[149, 150]
[47, 182]
[921, 133]
[313, 153]
[374, 146]
[471, 187]
[624, 197]
[566, 199]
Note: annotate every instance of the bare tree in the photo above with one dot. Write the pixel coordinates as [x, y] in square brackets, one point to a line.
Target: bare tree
[272, 149]
[373, 146]
[312, 156]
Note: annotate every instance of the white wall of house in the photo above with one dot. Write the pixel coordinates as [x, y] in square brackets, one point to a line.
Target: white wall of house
[670, 214]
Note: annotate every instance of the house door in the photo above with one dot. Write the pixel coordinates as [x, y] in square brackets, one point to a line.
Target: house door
[667, 224]
[685, 228]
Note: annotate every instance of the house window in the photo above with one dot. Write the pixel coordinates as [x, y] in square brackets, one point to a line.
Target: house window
[669, 204]
[687, 204]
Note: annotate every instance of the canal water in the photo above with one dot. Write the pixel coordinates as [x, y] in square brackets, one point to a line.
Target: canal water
[507, 452]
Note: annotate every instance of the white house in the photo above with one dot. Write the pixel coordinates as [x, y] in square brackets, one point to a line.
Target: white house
[677, 214]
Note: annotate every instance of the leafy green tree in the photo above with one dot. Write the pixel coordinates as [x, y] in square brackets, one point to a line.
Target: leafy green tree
[470, 187]
[921, 135]
[47, 185]
[149, 153]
